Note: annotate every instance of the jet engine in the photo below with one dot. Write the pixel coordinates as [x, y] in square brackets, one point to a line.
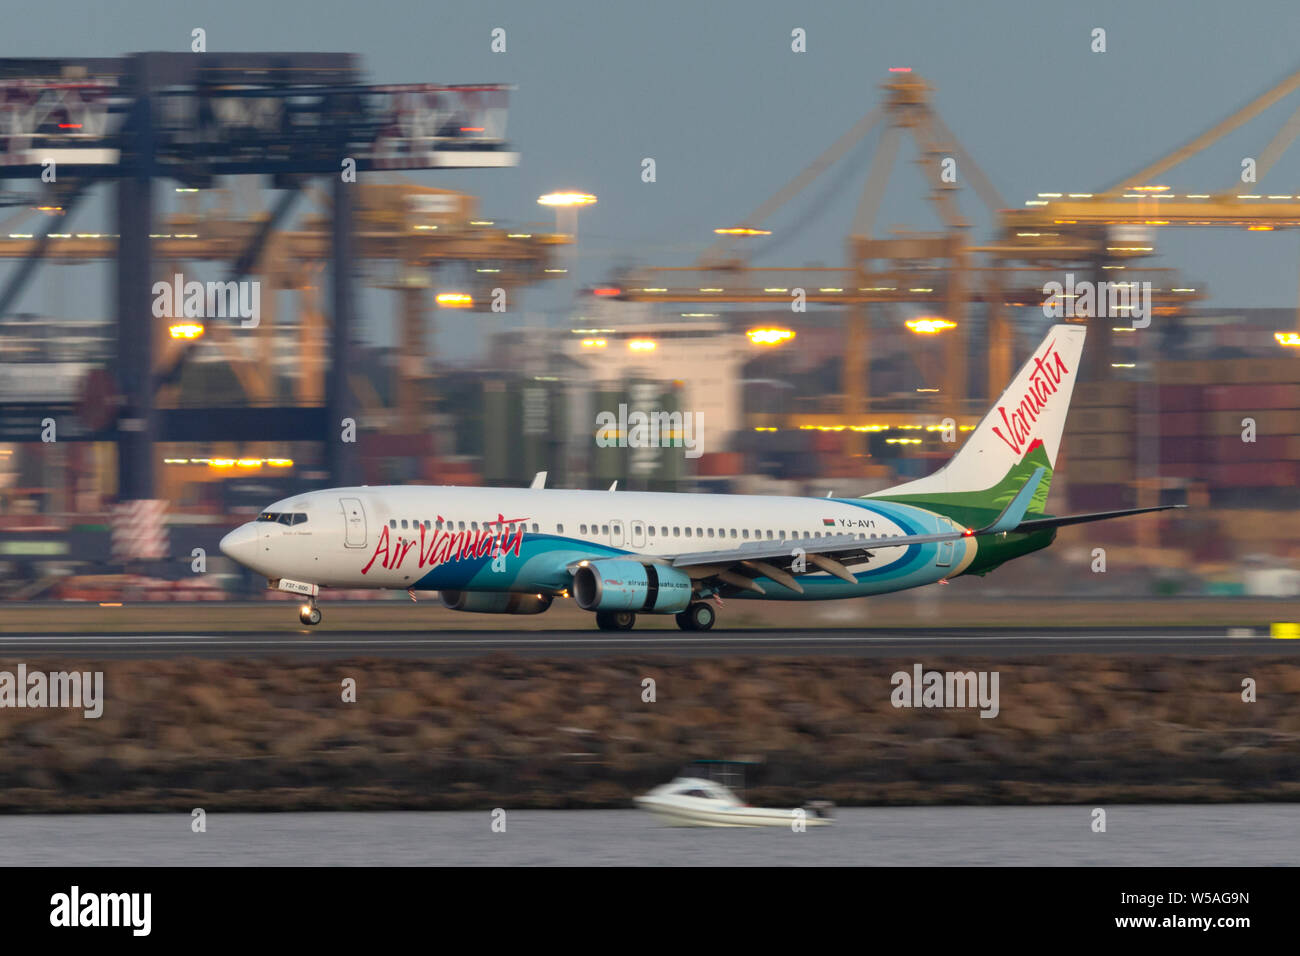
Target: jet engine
[619, 585]
[495, 602]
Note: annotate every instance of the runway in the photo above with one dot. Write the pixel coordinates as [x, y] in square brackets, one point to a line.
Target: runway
[305, 644]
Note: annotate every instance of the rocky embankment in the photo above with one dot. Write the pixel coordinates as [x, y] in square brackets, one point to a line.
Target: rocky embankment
[499, 731]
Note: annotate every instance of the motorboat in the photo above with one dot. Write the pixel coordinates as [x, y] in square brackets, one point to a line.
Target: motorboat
[700, 802]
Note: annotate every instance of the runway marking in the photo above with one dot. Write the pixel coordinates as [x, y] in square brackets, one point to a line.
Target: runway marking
[144, 639]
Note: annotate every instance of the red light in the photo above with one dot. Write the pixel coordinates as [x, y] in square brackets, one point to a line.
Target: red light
[900, 69]
[967, 533]
[610, 290]
[69, 126]
[472, 129]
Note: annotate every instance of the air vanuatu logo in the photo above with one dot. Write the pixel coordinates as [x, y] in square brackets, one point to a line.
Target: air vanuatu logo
[495, 538]
[1044, 382]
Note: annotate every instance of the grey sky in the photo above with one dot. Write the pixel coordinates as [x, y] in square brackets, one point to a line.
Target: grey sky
[714, 94]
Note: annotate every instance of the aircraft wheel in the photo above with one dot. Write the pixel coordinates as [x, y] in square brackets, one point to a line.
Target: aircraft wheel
[311, 616]
[615, 620]
[698, 617]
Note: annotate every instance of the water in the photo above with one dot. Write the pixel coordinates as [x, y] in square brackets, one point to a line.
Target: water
[1224, 835]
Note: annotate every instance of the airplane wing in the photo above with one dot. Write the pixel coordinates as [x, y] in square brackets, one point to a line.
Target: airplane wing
[739, 566]
[772, 559]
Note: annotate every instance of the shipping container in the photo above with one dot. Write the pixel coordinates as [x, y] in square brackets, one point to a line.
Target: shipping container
[1230, 448]
[1254, 525]
[1103, 445]
[1284, 422]
[1251, 397]
[1180, 398]
[1099, 471]
[1101, 497]
[1178, 449]
[1257, 474]
[1083, 420]
[1199, 470]
[1170, 423]
[1260, 371]
[720, 464]
[1188, 373]
[1104, 394]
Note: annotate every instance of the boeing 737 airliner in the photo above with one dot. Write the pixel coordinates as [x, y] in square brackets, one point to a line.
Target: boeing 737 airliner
[623, 553]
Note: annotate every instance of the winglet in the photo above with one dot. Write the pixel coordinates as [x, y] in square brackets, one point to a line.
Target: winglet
[539, 480]
[1014, 513]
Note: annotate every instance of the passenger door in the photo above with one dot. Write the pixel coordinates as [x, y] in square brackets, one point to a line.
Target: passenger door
[354, 522]
[616, 533]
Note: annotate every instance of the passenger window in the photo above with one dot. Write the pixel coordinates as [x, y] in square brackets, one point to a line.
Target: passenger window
[733, 532]
[392, 523]
[677, 532]
[582, 529]
[651, 529]
[462, 526]
[604, 529]
[769, 534]
[710, 532]
[664, 532]
[403, 524]
[536, 528]
[744, 533]
[473, 526]
[559, 529]
[688, 532]
[699, 532]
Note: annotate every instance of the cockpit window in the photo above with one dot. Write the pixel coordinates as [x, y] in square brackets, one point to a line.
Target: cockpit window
[283, 517]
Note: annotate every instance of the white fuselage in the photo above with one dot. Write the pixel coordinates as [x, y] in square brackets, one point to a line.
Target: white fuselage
[523, 539]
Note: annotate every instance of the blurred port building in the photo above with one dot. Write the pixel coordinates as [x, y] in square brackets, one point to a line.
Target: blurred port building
[167, 429]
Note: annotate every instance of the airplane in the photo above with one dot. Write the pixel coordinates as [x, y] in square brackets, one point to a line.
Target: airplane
[620, 554]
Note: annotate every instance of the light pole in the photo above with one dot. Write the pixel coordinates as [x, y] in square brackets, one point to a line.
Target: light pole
[566, 205]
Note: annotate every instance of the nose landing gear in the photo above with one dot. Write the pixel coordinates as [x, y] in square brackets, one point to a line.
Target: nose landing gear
[309, 613]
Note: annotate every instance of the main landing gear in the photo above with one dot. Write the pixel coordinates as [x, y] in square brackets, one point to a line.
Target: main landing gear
[615, 620]
[698, 617]
[309, 613]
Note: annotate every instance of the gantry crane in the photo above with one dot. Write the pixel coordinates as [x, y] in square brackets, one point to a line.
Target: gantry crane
[942, 269]
[1091, 222]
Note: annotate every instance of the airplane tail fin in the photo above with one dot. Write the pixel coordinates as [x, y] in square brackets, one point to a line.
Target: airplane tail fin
[1020, 434]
